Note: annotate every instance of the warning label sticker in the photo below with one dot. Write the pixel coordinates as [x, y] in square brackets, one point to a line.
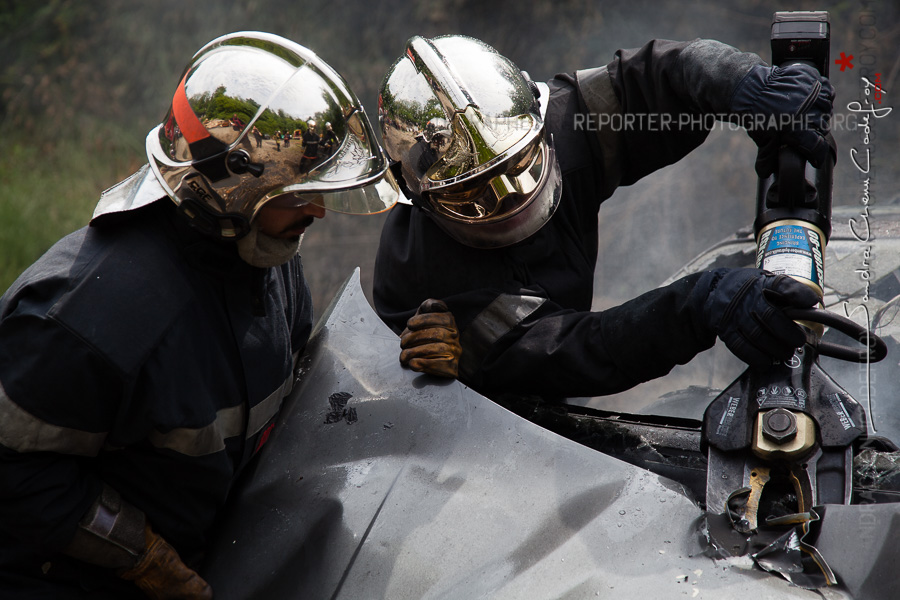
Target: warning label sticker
[788, 264]
[792, 250]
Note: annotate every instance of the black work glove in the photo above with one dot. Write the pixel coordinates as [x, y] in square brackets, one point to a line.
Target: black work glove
[744, 307]
[430, 342]
[780, 106]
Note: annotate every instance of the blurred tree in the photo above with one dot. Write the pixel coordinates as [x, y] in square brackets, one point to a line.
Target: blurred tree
[82, 83]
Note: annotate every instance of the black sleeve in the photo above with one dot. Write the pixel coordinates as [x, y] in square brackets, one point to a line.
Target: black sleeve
[526, 338]
[298, 303]
[549, 351]
[53, 423]
[667, 97]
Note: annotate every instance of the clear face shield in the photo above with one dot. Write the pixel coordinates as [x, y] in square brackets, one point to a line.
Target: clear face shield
[221, 148]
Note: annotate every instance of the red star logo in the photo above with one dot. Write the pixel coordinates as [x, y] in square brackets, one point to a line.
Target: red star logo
[845, 61]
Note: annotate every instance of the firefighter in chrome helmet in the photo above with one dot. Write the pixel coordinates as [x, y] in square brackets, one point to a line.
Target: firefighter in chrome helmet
[145, 357]
[490, 273]
[221, 181]
[467, 127]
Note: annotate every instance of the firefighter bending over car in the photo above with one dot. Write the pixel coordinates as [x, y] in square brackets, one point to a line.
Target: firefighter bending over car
[488, 275]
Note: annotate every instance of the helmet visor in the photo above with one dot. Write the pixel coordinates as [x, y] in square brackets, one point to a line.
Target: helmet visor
[367, 200]
[482, 144]
[497, 192]
[520, 217]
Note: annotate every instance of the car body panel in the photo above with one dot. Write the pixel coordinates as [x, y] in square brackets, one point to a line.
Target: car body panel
[382, 483]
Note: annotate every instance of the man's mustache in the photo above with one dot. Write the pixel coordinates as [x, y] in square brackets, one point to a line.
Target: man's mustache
[302, 223]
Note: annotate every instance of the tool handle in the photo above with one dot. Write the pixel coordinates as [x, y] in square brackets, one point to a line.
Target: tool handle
[874, 348]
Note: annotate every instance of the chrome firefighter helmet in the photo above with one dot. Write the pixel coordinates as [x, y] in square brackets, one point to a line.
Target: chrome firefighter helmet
[467, 127]
[204, 156]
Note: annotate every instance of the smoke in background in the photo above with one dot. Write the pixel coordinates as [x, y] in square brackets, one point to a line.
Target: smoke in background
[80, 70]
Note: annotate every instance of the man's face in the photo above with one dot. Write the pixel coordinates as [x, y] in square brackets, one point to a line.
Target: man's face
[287, 222]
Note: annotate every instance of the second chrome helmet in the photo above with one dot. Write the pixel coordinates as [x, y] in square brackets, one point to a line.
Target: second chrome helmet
[467, 127]
[215, 154]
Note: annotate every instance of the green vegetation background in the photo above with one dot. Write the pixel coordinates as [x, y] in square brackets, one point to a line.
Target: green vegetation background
[82, 82]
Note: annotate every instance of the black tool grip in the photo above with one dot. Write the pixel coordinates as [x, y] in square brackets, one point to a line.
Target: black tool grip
[791, 179]
[874, 348]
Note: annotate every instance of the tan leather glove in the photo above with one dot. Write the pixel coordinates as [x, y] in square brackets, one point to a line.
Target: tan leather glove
[430, 342]
[161, 575]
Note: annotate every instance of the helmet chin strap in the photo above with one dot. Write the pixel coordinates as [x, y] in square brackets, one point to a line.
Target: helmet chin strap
[264, 251]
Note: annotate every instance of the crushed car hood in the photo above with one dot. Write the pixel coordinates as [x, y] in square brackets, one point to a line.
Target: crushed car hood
[382, 483]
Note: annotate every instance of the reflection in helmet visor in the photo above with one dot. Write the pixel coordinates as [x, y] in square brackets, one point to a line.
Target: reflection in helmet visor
[497, 192]
[479, 143]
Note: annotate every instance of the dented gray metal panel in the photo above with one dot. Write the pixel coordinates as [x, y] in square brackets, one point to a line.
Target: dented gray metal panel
[860, 543]
[381, 483]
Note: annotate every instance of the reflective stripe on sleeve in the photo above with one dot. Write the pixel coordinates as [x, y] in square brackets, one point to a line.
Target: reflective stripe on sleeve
[495, 321]
[200, 441]
[229, 423]
[23, 432]
[600, 98]
[265, 410]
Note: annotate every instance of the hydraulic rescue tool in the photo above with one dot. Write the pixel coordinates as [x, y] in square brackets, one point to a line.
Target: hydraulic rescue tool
[780, 440]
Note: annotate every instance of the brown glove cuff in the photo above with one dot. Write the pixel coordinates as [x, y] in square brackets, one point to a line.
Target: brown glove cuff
[110, 534]
[154, 548]
[161, 574]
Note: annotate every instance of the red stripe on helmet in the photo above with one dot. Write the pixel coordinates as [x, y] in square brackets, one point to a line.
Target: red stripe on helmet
[191, 127]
